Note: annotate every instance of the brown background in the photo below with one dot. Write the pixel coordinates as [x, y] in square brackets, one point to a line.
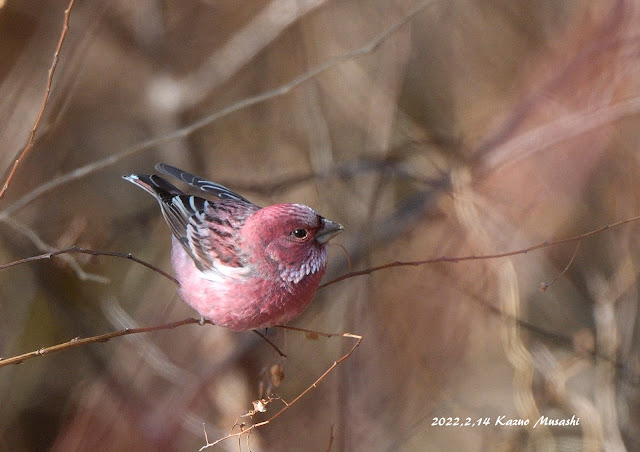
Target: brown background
[476, 128]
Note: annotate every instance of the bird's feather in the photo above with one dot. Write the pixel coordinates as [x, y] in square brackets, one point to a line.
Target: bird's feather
[206, 229]
[218, 190]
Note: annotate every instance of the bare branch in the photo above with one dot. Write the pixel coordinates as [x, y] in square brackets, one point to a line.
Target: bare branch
[75, 342]
[271, 344]
[331, 438]
[183, 132]
[45, 100]
[545, 244]
[335, 364]
[29, 233]
[75, 249]
[544, 285]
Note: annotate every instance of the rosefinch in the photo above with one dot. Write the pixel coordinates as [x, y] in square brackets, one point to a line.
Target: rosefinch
[239, 265]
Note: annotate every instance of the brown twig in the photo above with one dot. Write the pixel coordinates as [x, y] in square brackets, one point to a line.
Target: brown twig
[331, 438]
[336, 280]
[270, 342]
[94, 339]
[335, 364]
[45, 100]
[75, 249]
[76, 342]
[545, 285]
[209, 119]
[434, 260]
[42, 246]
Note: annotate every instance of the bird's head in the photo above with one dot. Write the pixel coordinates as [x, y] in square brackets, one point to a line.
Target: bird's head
[288, 239]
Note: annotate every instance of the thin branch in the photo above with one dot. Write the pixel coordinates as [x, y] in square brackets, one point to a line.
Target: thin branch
[92, 340]
[434, 260]
[312, 334]
[544, 285]
[270, 342]
[183, 132]
[558, 339]
[313, 385]
[44, 247]
[75, 249]
[45, 100]
[331, 438]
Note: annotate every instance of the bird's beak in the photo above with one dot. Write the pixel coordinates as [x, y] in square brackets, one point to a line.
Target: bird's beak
[329, 230]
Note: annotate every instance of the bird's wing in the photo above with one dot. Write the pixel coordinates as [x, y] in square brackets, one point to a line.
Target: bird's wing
[212, 233]
[206, 229]
[218, 190]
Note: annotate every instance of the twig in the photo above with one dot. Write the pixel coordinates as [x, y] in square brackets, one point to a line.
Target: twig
[335, 364]
[536, 247]
[94, 339]
[44, 247]
[369, 270]
[45, 100]
[270, 342]
[559, 339]
[75, 249]
[183, 132]
[331, 438]
[544, 285]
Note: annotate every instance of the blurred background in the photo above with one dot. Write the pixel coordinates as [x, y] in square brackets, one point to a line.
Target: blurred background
[441, 128]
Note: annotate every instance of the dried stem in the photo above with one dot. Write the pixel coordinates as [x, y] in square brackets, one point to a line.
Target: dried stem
[94, 339]
[45, 100]
[545, 244]
[23, 229]
[270, 342]
[544, 285]
[335, 364]
[205, 121]
[331, 438]
[75, 249]
[336, 280]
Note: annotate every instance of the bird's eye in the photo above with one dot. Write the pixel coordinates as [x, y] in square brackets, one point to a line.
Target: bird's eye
[300, 233]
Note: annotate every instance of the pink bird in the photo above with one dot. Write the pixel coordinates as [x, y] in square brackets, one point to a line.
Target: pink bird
[240, 266]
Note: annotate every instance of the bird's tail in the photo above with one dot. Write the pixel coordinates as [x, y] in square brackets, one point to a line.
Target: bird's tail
[155, 185]
[218, 190]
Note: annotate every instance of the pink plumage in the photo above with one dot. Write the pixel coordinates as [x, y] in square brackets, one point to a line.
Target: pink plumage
[239, 265]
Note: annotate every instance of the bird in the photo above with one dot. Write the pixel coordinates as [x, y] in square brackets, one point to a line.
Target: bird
[240, 266]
